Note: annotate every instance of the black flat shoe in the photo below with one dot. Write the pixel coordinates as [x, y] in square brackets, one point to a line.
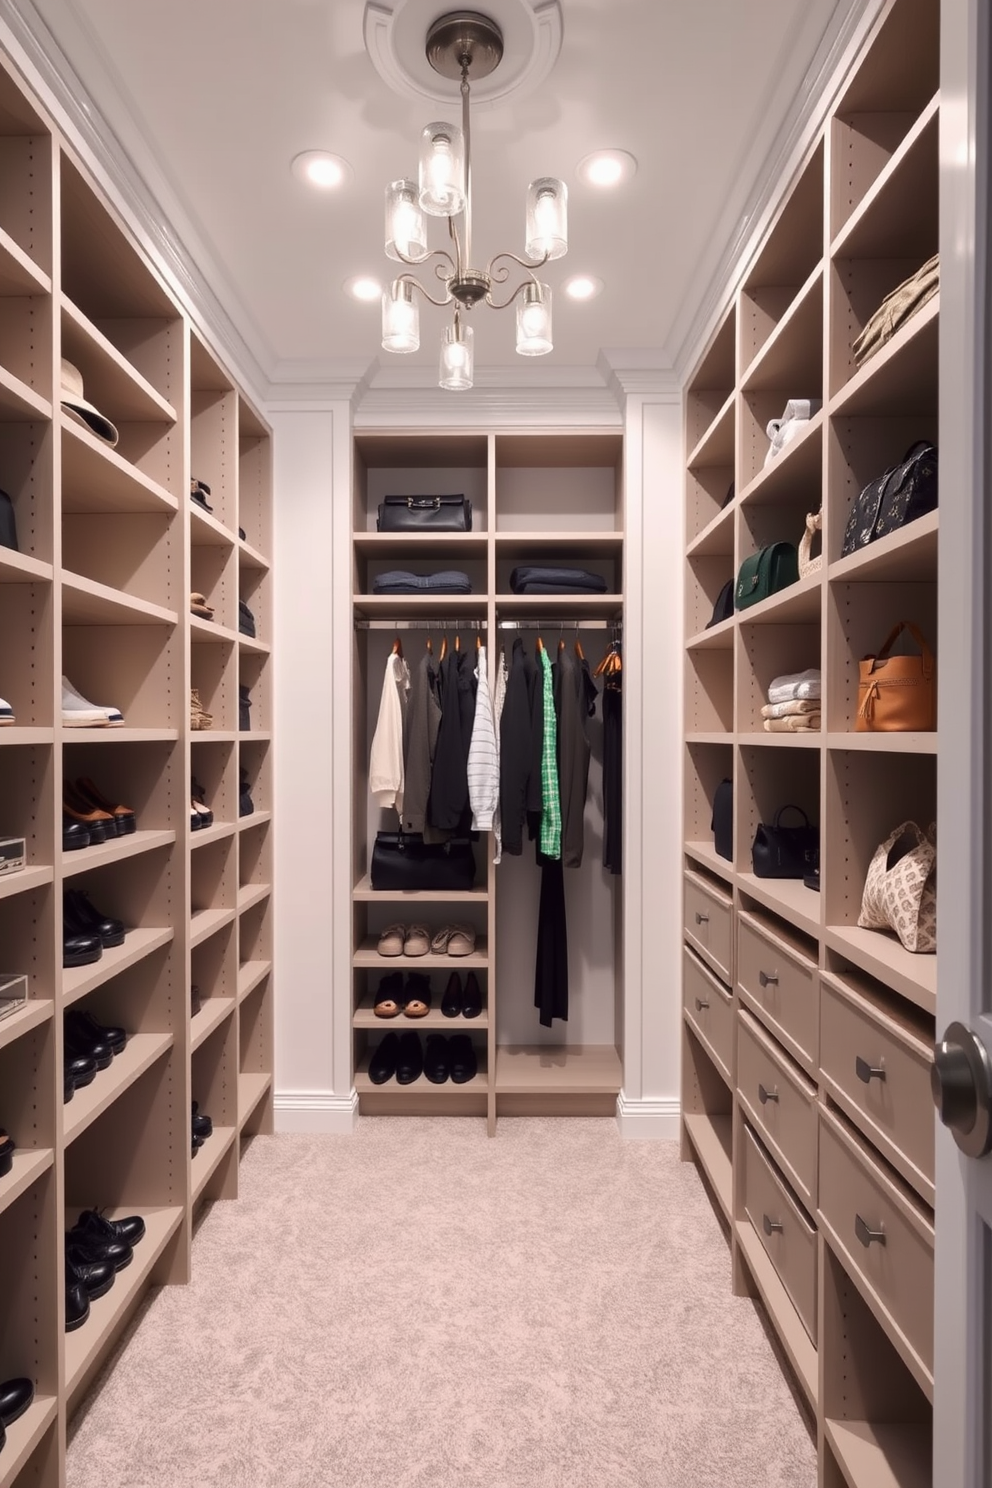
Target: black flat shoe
[451, 1002]
[15, 1397]
[382, 1065]
[436, 1058]
[74, 835]
[85, 1029]
[410, 1063]
[472, 1002]
[417, 995]
[464, 1062]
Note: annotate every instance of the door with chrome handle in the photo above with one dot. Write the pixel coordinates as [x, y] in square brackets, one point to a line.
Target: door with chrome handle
[961, 1083]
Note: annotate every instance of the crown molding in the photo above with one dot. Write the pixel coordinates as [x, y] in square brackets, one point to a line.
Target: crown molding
[524, 396]
[638, 371]
[53, 78]
[316, 1111]
[708, 298]
[655, 1120]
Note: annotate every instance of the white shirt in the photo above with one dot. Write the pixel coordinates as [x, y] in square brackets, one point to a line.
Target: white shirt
[483, 758]
[386, 758]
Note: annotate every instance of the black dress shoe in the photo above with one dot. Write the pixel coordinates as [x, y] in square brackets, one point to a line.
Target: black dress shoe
[202, 1125]
[451, 1002]
[78, 1045]
[99, 1246]
[91, 1223]
[15, 1397]
[77, 1303]
[436, 1058]
[97, 1277]
[382, 1065]
[80, 1069]
[195, 1143]
[74, 835]
[410, 1061]
[472, 1003]
[80, 950]
[69, 1085]
[464, 1062]
[85, 919]
[6, 1154]
[85, 1029]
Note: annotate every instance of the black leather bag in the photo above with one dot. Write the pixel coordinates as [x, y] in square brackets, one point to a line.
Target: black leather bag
[403, 860]
[901, 495]
[723, 820]
[724, 607]
[8, 527]
[425, 514]
[785, 852]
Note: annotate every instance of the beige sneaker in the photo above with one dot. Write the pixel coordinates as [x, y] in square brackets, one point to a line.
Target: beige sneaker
[199, 718]
[417, 942]
[391, 941]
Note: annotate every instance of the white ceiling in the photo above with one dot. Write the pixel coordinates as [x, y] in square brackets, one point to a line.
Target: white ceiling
[212, 99]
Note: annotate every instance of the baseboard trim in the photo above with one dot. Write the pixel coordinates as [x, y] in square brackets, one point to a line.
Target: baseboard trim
[648, 1120]
[316, 1111]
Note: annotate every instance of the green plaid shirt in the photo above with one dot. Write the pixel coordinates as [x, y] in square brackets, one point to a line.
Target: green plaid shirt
[550, 799]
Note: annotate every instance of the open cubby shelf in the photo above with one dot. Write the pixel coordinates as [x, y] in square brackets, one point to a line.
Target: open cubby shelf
[783, 990]
[112, 547]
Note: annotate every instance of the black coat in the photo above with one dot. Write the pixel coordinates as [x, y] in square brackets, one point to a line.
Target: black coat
[448, 808]
[521, 737]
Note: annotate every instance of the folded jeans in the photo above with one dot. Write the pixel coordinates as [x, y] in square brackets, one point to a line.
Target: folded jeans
[399, 581]
[552, 579]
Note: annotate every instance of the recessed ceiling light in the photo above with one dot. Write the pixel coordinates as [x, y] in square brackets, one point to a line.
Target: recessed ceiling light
[363, 288]
[606, 168]
[318, 168]
[583, 286]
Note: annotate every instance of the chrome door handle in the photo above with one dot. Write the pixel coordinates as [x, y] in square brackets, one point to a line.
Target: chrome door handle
[772, 1226]
[867, 1072]
[767, 1095]
[866, 1234]
[767, 981]
[961, 1083]
[701, 1006]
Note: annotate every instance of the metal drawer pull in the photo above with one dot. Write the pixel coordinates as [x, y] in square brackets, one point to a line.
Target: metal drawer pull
[767, 1095]
[867, 1072]
[701, 1006]
[702, 919]
[766, 980]
[865, 1234]
[772, 1226]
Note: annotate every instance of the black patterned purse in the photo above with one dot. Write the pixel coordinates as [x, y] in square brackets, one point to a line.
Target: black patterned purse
[903, 494]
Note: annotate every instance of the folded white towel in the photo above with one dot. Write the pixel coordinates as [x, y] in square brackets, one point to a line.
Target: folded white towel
[786, 710]
[807, 723]
[794, 685]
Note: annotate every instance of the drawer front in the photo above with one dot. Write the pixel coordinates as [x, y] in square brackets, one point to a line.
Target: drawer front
[783, 986]
[884, 1237]
[781, 1105]
[710, 1009]
[783, 1230]
[708, 925]
[880, 1075]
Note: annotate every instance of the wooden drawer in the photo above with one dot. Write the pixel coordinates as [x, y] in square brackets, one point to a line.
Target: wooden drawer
[709, 1007]
[885, 1239]
[782, 984]
[709, 923]
[876, 1066]
[783, 1229]
[781, 1105]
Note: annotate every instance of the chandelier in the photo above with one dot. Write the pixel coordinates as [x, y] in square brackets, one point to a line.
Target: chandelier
[462, 45]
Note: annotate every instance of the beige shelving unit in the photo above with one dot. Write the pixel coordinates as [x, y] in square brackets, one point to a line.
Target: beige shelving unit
[806, 1040]
[110, 547]
[535, 497]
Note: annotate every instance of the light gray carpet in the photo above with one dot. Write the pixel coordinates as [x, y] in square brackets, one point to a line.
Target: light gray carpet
[418, 1306]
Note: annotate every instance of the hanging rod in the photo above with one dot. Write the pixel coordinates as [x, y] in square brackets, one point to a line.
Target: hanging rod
[445, 622]
[561, 622]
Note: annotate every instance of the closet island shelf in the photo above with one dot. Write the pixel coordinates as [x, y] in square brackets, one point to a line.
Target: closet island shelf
[789, 1008]
[110, 548]
[537, 498]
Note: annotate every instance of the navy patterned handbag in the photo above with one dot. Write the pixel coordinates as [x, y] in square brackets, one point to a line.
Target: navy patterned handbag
[903, 494]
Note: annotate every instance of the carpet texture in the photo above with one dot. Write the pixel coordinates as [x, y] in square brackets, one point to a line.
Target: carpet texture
[418, 1306]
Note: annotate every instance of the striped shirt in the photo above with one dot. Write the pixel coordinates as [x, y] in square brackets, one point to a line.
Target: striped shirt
[483, 760]
[550, 799]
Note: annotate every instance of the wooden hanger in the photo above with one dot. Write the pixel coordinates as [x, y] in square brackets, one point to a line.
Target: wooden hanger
[539, 647]
[458, 643]
[478, 642]
[398, 648]
[430, 646]
[444, 647]
[578, 649]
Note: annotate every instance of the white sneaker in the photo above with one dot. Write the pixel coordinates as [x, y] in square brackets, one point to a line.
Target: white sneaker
[77, 712]
[6, 713]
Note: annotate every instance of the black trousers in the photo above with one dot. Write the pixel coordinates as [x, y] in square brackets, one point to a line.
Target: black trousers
[551, 971]
[613, 779]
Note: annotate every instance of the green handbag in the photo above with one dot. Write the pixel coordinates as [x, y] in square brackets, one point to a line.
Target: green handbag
[766, 572]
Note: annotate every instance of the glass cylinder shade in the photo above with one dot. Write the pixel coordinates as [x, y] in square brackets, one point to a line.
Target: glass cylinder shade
[442, 170]
[534, 321]
[547, 218]
[400, 319]
[457, 358]
[406, 231]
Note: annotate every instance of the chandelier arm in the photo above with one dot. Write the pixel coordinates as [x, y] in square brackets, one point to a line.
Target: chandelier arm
[416, 263]
[459, 264]
[527, 264]
[505, 304]
[415, 283]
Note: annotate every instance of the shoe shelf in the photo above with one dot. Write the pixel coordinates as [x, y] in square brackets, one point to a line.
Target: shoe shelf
[366, 956]
[27, 1167]
[85, 602]
[35, 1011]
[25, 1434]
[116, 735]
[19, 402]
[213, 1012]
[252, 1090]
[208, 632]
[21, 883]
[86, 1347]
[22, 568]
[882, 1456]
[250, 558]
[364, 1017]
[19, 274]
[251, 974]
[203, 836]
[558, 1069]
[77, 981]
[141, 1052]
[364, 892]
[799, 1350]
[254, 819]
[204, 923]
[95, 478]
[710, 1135]
[251, 894]
[209, 1157]
[144, 840]
[422, 1088]
[206, 531]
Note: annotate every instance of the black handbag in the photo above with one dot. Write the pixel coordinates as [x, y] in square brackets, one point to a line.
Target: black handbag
[785, 852]
[425, 514]
[724, 607]
[722, 824]
[403, 860]
[8, 527]
[901, 495]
